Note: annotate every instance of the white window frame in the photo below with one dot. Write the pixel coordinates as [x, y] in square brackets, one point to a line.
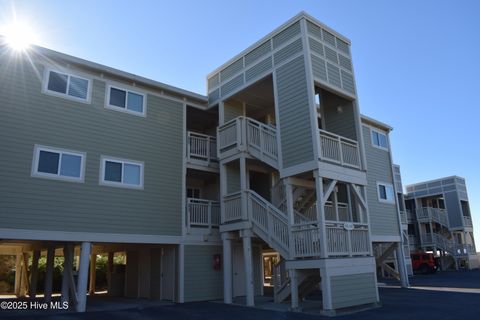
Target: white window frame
[104, 182]
[386, 185]
[36, 157]
[46, 78]
[372, 130]
[125, 110]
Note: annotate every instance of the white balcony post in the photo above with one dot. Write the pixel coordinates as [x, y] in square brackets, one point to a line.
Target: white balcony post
[340, 149]
[223, 191]
[188, 215]
[208, 150]
[247, 255]
[292, 273]
[290, 213]
[209, 216]
[83, 276]
[227, 268]
[243, 187]
[188, 145]
[321, 214]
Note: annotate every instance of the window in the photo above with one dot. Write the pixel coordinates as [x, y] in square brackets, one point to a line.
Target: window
[385, 193]
[379, 139]
[126, 100]
[121, 173]
[58, 164]
[193, 193]
[67, 85]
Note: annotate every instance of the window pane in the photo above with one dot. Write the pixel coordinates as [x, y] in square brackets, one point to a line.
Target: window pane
[389, 192]
[131, 174]
[71, 165]
[383, 192]
[135, 102]
[113, 171]
[78, 88]
[375, 138]
[382, 140]
[117, 97]
[48, 162]
[57, 82]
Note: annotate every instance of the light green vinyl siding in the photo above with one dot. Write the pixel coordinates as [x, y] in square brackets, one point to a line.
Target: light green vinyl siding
[202, 282]
[294, 113]
[383, 216]
[232, 110]
[233, 177]
[353, 289]
[30, 117]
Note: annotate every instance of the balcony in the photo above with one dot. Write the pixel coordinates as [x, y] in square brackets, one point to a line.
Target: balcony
[403, 217]
[339, 150]
[410, 216]
[201, 149]
[204, 214]
[427, 214]
[467, 221]
[244, 134]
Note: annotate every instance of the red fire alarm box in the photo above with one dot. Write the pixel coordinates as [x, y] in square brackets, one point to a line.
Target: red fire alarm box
[217, 262]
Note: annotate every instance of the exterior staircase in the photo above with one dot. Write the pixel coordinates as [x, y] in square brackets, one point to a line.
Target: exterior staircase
[308, 281]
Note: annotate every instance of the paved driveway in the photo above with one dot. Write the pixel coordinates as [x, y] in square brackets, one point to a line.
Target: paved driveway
[451, 295]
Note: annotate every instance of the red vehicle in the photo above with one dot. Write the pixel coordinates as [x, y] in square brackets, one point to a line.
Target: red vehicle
[423, 262]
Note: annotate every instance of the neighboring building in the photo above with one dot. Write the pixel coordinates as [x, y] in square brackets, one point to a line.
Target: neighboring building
[274, 174]
[439, 220]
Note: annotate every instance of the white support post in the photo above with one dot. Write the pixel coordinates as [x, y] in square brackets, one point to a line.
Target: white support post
[321, 214]
[335, 204]
[243, 187]
[292, 273]
[247, 254]
[34, 274]
[49, 273]
[181, 273]
[402, 269]
[326, 289]
[93, 273]
[227, 268]
[290, 213]
[223, 190]
[83, 276]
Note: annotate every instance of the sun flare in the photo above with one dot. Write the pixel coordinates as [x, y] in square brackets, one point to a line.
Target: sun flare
[18, 35]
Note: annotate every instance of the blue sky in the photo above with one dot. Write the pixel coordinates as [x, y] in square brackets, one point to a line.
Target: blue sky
[416, 62]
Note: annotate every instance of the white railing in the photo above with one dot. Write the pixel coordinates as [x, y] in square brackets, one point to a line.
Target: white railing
[201, 147]
[306, 241]
[410, 215]
[249, 135]
[467, 221]
[339, 149]
[330, 212]
[435, 214]
[232, 207]
[203, 213]
[342, 241]
[403, 217]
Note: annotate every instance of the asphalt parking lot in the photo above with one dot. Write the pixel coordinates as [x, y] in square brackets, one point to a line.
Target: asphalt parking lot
[449, 295]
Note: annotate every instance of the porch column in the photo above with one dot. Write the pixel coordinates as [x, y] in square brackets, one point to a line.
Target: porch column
[247, 255]
[321, 214]
[292, 273]
[326, 289]
[49, 273]
[83, 276]
[34, 274]
[402, 266]
[227, 268]
[93, 273]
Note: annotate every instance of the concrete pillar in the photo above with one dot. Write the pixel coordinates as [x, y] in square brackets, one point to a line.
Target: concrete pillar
[93, 273]
[34, 274]
[83, 276]
[292, 273]
[247, 254]
[227, 268]
[402, 266]
[49, 273]
[181, 273]
[18, 274]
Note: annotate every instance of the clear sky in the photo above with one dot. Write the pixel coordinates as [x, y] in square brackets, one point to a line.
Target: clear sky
[417, 63]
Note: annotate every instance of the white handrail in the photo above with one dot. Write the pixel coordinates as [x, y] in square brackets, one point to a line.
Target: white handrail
[203, 213]
[339, 149]
[201, 147]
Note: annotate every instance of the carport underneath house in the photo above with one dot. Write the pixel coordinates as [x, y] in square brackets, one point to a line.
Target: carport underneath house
[149, 273]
